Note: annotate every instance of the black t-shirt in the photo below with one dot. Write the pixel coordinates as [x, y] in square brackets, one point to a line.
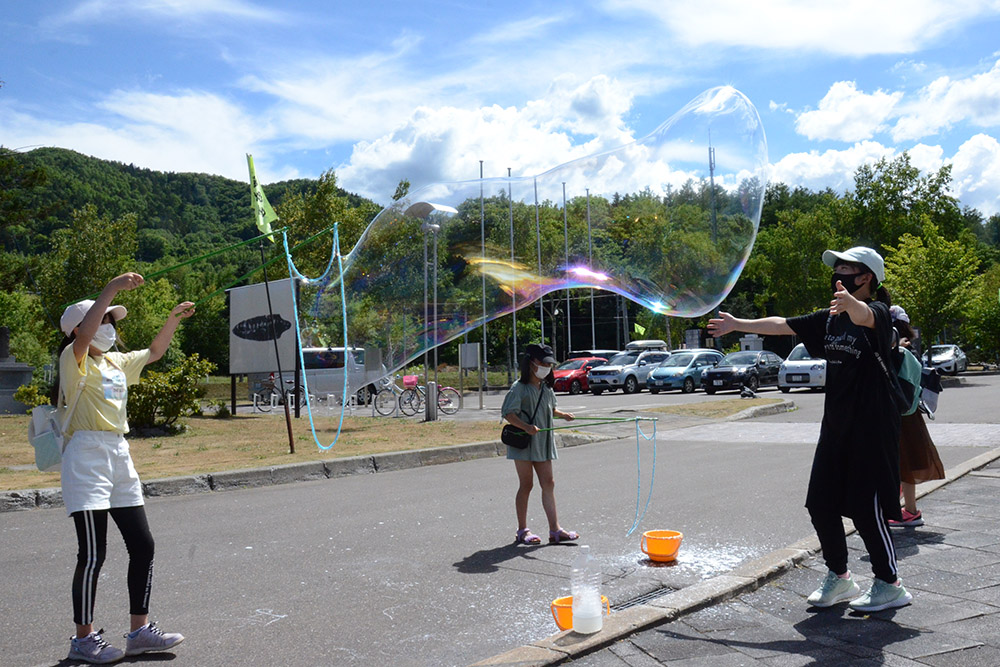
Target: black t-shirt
[858, 449]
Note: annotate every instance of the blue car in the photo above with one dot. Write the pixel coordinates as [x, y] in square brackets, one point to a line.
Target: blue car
[682, 370]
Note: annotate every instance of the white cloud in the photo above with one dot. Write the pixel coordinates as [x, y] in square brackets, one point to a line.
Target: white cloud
[975, 168]
[187, 132]
[833, 168]
[946, 102]
[99, 11]
[445, 144]
[976, 173]
[847, 114]
[850, 27]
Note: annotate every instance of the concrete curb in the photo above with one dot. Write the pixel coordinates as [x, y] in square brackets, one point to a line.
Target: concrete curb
[26, 499]
[568, 645]
[786, 405]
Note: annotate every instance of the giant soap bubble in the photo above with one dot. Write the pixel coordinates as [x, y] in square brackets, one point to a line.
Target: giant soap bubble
[667, 221]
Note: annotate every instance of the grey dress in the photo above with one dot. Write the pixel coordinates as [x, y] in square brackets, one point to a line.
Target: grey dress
[521, 399]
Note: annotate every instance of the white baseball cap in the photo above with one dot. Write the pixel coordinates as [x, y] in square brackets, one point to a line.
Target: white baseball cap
[858, 255]
[75, 313]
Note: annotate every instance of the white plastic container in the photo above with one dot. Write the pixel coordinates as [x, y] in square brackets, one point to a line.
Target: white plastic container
[585, 583]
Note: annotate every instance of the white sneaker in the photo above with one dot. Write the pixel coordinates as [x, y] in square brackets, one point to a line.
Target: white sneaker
[834, 589]
[94, 649]
[882, 596]
[150, 638]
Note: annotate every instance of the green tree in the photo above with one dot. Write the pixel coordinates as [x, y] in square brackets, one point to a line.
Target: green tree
[928, 276]
[980, 327]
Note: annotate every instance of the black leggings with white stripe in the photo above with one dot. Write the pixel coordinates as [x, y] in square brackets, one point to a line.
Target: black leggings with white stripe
[874, 531]
[91, 535]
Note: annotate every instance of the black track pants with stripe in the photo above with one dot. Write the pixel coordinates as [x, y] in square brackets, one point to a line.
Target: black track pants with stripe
[91, 535]
[874, 531]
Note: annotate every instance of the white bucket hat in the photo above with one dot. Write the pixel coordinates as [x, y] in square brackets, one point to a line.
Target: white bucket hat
[858, 255]
[75, 313]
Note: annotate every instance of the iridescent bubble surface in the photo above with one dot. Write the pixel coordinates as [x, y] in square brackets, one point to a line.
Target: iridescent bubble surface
[667, 221]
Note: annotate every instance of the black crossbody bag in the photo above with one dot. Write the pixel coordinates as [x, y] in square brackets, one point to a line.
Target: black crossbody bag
[514, 437]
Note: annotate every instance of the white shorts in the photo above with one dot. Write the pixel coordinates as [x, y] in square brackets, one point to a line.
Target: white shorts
[98, 474]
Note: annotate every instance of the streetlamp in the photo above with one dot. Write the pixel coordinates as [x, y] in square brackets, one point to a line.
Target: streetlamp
[429, 211]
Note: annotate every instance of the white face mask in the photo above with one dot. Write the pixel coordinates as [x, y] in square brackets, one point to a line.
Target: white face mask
[542, 372]
[104, 338]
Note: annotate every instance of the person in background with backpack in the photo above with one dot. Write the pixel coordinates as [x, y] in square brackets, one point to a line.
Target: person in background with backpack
[98, 476]
[918, 457]
[855, 471]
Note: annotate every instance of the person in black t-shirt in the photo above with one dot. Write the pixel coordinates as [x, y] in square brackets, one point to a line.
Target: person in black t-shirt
[855, 471]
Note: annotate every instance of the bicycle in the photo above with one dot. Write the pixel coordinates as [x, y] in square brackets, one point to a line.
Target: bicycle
[448, 398]
[390, 395]
[268, 395]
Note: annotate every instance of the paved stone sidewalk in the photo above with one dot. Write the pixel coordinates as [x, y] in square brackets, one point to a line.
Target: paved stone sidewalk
[951, 565]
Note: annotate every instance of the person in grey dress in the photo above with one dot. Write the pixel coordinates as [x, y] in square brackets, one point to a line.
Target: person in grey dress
[531, 395]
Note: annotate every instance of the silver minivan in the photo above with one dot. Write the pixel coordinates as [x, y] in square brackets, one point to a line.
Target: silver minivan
[324, 372]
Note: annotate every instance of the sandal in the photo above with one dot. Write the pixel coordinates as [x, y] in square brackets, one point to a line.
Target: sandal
[525, 536]
[557, 536]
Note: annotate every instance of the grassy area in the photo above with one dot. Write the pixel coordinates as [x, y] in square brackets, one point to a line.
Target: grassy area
[218, 387]
[247, 441]
[719, 409]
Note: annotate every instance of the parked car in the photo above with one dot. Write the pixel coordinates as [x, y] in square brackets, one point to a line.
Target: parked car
[749, 368]
[627, 371]
[801, 370]
[682, 370]
[571, 375]
[946, 358]
[607, 354]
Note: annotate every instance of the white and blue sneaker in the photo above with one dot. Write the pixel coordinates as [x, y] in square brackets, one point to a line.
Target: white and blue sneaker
[94, 649]
[882, 596]
[833, 590]
[150, 638]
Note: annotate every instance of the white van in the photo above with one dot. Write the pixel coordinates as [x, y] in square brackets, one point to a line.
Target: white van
[644, 345]
[324, 372]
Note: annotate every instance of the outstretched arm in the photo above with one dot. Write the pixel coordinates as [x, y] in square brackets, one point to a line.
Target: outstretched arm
[88, 327]
[766, 326]
[162, 341]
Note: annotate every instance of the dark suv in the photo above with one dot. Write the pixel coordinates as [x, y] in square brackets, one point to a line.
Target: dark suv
[748, 368]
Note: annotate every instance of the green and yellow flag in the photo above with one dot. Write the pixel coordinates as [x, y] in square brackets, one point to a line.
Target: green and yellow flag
[639, 329]
[264, 215]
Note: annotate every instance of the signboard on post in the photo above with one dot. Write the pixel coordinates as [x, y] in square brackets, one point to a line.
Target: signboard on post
[251, 346]
[470, 359]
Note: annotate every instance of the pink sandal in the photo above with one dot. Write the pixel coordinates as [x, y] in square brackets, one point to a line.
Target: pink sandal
[525, 536]
[557, 536]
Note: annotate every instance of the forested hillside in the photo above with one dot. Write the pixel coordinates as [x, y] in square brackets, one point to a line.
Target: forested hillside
[69, 222]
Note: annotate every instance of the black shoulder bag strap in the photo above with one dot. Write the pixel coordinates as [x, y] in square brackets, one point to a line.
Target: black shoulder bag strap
[537, 403]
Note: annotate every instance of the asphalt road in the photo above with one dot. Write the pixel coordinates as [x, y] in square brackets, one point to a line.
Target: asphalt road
[416, 567]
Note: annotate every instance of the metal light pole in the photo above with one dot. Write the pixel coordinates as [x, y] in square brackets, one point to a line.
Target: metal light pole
[538, 246]
[569, 329]
[482, 235]
[513, 295]
[590, 260]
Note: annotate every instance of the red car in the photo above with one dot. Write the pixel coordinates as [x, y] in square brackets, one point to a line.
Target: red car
[571, 375]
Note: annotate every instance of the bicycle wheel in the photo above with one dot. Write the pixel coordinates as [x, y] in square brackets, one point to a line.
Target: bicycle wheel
[262, 400]
[385, 402]
[449, 400]
[409, 402]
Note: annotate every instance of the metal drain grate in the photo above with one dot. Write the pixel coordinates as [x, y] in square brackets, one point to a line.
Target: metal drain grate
[642, 599]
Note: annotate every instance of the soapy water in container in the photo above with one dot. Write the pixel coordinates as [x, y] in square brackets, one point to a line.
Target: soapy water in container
[667, 221]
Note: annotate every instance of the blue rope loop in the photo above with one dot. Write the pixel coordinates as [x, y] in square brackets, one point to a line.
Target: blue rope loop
[294, 272]
[638, 472]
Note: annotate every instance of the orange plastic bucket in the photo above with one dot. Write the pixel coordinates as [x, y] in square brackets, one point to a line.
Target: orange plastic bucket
[661, 545]
[562, 611]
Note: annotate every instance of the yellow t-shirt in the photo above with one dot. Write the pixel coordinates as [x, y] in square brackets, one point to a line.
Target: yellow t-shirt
[102, 404]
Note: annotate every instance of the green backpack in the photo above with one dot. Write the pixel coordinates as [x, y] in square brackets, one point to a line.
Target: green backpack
[908, 373]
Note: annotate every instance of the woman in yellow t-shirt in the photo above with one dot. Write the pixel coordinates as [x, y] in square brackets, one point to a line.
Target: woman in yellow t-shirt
[98, 477]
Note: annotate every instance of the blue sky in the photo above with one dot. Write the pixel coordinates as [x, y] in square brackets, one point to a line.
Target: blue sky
[381, 91]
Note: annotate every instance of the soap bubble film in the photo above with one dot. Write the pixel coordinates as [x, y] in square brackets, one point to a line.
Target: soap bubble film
[667, 221]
